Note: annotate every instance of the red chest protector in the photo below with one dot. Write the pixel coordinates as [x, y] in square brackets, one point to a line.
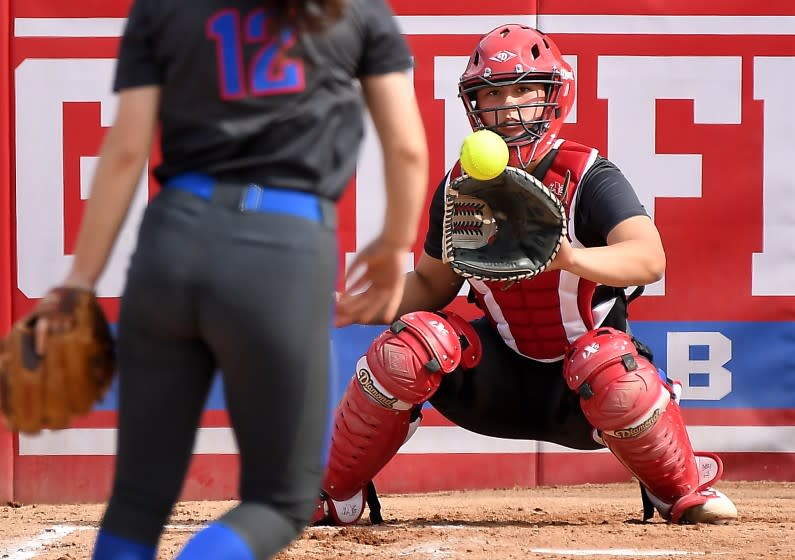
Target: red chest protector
[539, 317]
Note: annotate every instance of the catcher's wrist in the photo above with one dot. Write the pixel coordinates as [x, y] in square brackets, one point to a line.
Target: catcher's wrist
[567, 260]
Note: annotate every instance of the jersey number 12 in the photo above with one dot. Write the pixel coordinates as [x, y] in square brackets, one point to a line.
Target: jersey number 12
[268, 72]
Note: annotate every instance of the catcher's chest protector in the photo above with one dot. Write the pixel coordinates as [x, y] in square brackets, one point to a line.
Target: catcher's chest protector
[531, 310]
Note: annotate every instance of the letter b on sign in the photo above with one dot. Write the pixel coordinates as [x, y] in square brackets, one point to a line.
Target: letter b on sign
[697, 359]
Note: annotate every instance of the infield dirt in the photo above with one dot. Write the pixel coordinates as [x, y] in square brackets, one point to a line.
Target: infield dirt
[590, 521]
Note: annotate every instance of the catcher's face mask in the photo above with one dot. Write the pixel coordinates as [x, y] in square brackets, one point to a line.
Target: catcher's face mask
[517, 54]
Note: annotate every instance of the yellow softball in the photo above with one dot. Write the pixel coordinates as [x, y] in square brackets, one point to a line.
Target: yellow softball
[484, 155]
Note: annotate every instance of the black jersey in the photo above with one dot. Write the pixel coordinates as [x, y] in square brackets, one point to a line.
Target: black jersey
[243, 107]
[605, 198]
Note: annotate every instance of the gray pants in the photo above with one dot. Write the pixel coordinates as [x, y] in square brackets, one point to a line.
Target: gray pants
[208, 289]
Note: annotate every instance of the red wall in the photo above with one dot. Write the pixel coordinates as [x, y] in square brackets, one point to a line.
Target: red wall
[6, 439]
[712, 288]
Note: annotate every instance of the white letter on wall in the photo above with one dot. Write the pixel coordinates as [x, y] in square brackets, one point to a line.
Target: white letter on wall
[42, 87]
[370, 193]
[774, 268]
[631, 84]
[681, 365]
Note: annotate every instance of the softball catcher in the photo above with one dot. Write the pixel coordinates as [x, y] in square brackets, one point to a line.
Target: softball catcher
[550, 249]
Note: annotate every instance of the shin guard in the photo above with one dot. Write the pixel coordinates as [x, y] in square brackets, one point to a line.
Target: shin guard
[623, 396]
[402, 369]
[366, 435]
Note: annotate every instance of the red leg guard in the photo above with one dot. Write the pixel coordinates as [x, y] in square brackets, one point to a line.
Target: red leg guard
[366, 436]
[623, 396]
[661, 457]
[403, 368]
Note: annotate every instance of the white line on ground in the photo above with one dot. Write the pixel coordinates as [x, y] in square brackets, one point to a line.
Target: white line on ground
[184, 528]
[30, 548]
[432, 549]
[613, 552]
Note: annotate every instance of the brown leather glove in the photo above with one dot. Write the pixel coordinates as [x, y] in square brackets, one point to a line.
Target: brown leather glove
[75, 370]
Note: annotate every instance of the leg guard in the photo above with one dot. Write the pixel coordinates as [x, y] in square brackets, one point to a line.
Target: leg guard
[623, 396]
[329, 511]
[402, 369]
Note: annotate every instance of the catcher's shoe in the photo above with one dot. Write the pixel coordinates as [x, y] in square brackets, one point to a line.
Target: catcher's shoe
[340, 513]
[348, 512]
[712, 507]
[706, 505]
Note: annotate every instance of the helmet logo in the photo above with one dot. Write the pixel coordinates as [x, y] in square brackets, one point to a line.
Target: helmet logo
[439, 327]
[503, 56]
[590, 350]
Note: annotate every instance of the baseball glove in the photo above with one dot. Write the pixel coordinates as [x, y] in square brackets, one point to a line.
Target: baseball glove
[508, 228]
[75, 370]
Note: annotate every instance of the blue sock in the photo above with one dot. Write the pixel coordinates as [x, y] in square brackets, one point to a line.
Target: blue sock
[110, 547]
[216, 542]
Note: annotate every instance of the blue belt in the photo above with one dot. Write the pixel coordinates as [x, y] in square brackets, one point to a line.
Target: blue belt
[250, 197]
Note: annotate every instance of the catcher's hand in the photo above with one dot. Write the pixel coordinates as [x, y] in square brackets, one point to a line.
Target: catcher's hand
[508, 228]
[45, 382]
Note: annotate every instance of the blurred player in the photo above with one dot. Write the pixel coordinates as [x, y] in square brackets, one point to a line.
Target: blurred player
[260, 115]
[552, 360]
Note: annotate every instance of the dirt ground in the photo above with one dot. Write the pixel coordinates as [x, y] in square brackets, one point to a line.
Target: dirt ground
[591, 521]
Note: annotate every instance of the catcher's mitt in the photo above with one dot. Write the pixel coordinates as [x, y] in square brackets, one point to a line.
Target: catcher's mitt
[508, 228]
[45, 391]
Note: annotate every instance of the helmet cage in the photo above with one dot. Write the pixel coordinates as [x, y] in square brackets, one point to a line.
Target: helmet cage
[533, 130]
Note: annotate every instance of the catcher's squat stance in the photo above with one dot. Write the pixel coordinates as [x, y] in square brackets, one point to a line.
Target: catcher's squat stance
[552, 359]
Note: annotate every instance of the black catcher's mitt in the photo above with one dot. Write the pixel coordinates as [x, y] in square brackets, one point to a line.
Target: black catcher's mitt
[46, 391]
[508, 228]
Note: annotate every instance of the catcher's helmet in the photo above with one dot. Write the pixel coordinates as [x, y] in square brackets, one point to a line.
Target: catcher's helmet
[514, 54]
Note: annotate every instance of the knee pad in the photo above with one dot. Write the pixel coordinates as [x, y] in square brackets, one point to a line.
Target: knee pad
[623, 396]
[616, 385]
[402, 369]
[408, 360]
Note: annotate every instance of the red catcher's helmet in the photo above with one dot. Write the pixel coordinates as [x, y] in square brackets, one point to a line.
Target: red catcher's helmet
[518, 54]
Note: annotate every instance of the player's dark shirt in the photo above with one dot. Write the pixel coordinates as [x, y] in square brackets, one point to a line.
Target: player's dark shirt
[231, 107]
[604, 199]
